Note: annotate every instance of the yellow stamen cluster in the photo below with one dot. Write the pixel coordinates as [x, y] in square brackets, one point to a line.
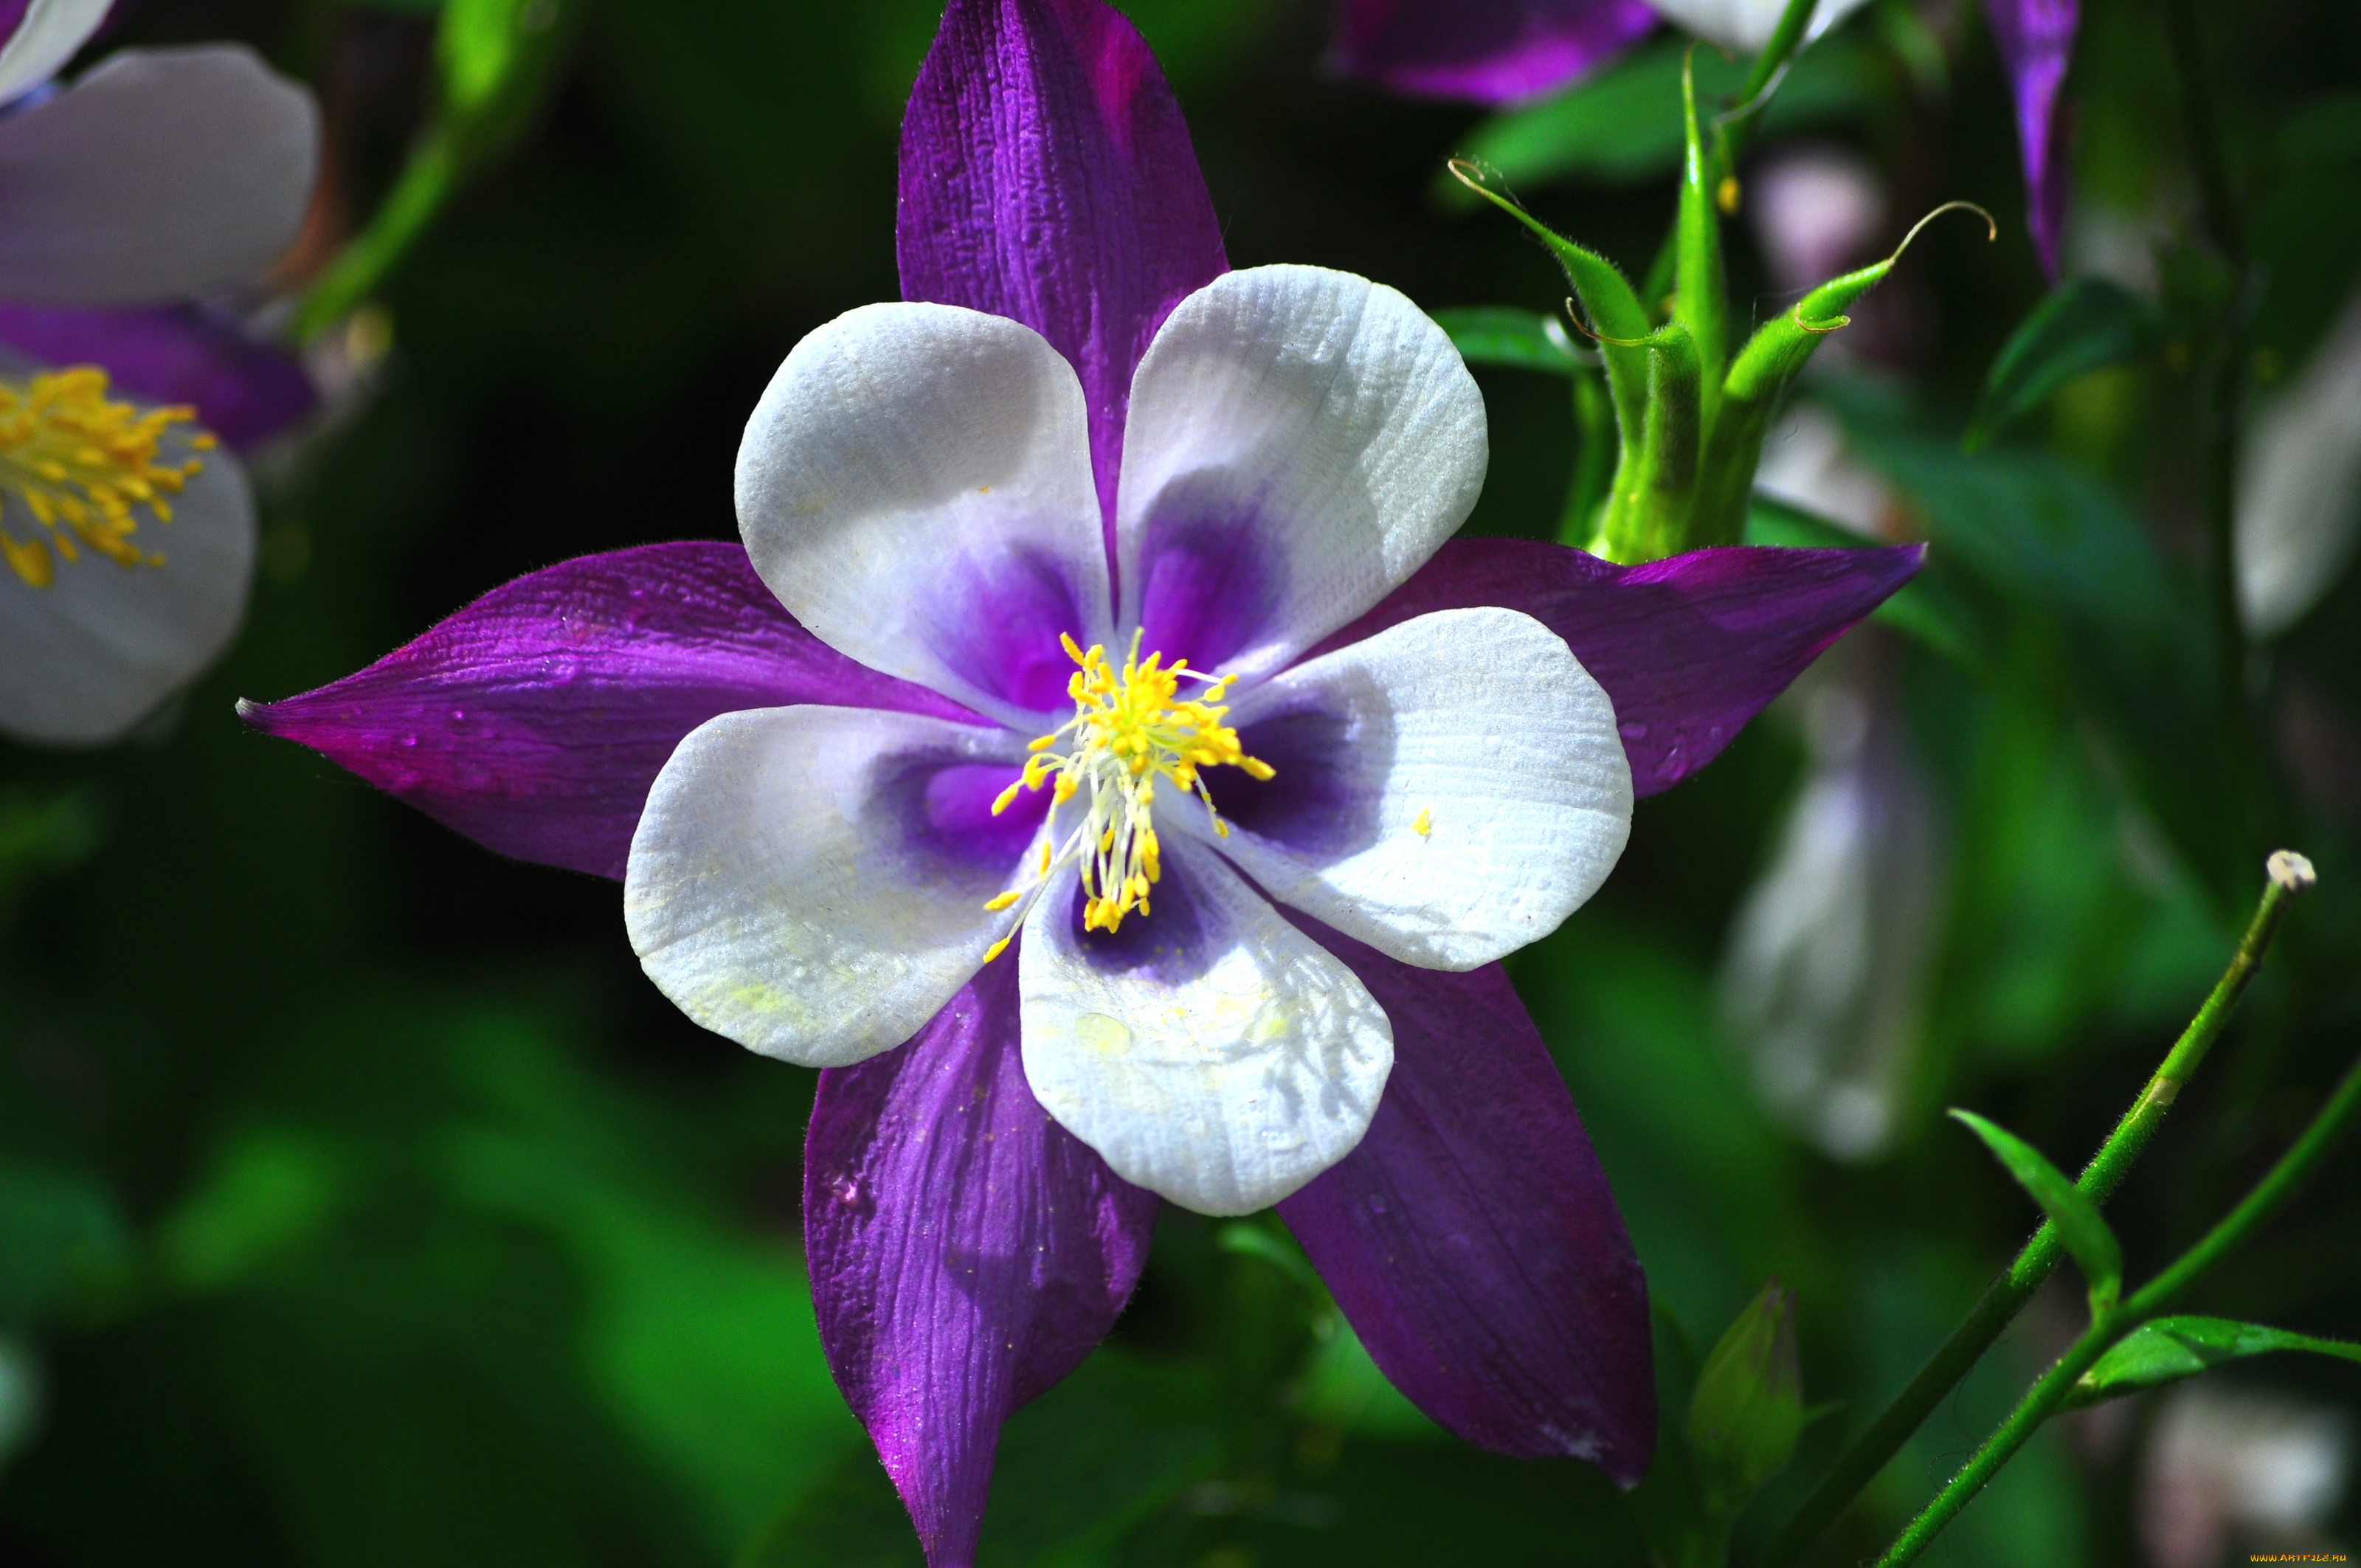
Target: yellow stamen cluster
[83, 465]
[1131, 727]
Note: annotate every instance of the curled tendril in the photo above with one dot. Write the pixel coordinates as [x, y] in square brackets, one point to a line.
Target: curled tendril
[1991, 225]
[1477, 176]
[1833, 324]
[1575, 316]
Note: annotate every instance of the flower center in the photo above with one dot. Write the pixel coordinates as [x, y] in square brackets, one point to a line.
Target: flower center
[83, 466]
[1131, 728]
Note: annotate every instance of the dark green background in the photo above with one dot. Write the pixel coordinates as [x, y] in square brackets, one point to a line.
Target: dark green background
[361, 1205]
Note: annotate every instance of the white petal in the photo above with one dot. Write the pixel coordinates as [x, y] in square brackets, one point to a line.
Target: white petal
[1209, 1052]
[46, 37]
[86, 658]
[915, 487]
[1479, 726]
[2300, 485]
[160, 173]
[1311, 432]
[781, 889]
[1747, 25]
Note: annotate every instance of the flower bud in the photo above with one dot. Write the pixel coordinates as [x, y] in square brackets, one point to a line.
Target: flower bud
[1747, 1409]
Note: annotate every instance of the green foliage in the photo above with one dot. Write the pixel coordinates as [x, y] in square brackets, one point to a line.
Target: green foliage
[2087, 324]
[2166, 1350]
[1517, 340]
[2080, 1225]
[1624, 122]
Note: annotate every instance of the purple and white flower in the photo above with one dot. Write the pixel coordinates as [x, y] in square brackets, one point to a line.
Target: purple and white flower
[916, 787]
[126, 536]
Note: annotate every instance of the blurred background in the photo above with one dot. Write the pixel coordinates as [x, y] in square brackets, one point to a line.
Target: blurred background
[361, 1205]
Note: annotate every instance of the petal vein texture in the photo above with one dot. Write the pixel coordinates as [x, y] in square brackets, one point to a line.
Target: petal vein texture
[535, 720]
[1047, 176]
[966, 1252]
[1471, 1238]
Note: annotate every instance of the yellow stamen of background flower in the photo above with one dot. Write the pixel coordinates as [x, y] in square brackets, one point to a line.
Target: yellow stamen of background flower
[1131, 727]
[81, 466]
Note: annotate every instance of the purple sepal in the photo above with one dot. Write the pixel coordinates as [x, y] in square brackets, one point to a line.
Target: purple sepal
[1471, 1238]
[244, 391]
[966, 1251]
[1688, 647]
[1047, 176]
[12, 17]
[2036, 39]
[1495, 52]
[535, 720]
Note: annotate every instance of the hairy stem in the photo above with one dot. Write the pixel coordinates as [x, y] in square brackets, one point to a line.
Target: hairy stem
[2043, 1399]
[1868, 1454]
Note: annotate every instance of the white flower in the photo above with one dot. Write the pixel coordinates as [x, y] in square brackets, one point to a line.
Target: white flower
[1747, 25]
[2300, 485]
[126, 537]
[1154, 760]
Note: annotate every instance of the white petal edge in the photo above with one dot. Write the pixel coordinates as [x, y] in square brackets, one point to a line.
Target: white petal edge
[46, 37]
[1747, 25]
[1326, 409]
[1223, 1092]
[1481, 726]
[900, 448]
[160, 174]
[2299, 484]
[85, 659]
[773, 896]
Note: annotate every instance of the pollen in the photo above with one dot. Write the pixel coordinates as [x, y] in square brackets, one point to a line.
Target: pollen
[84, 468]
[1423, 825]
[1133, 726]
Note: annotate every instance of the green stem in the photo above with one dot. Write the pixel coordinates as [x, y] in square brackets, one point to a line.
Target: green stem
[428, 182]
[1868, 1454]
[2044, 1399]
[1594, 460]
[1730, 135]
[1754, 96]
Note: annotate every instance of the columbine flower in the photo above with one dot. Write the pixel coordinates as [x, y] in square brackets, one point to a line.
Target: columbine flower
[1503, 51]
[1095, 602]
[126, 537]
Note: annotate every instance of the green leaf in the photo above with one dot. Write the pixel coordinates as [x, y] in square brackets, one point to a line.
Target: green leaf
[2086, 325]
[1513, 339]
[1623, 125]
[1930, 608]
[1748, 1410]
[2093, 1246]
[2170, 1348]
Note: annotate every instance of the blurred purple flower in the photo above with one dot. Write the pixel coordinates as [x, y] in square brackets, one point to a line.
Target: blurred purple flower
[127, 539]
[2036, 39]
[1484, 51]
[793, 754]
